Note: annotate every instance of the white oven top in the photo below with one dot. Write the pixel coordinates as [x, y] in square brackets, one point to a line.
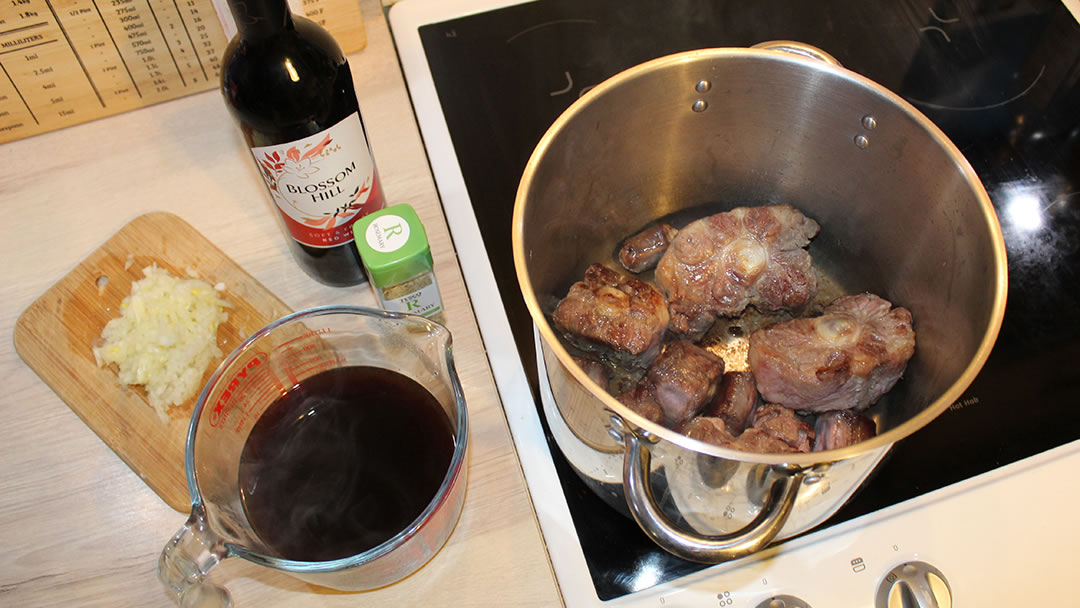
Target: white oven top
[1005, 538]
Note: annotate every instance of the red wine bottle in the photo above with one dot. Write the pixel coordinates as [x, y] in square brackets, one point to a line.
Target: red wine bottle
[288, 85]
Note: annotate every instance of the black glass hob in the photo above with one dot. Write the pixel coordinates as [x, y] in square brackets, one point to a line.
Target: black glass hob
[1000, 78]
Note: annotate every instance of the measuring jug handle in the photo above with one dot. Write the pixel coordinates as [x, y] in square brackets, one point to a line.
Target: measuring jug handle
[186, 560]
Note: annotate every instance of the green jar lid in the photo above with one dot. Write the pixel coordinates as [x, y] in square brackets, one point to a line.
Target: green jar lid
[392, 244]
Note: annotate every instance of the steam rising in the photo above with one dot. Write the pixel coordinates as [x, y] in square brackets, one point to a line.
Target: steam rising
[343, 463]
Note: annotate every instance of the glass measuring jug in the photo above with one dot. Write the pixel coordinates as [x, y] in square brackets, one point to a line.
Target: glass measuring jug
[317, 348]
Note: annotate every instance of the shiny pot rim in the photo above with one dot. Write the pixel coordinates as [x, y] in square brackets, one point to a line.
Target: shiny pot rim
[815, 62]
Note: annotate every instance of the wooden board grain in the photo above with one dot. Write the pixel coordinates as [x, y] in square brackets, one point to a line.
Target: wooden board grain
[55, 334]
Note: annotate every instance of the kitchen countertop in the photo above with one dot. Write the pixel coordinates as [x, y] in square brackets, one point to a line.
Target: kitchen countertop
[78, 526]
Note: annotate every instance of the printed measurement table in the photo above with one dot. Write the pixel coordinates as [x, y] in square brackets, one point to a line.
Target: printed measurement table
[69, 61]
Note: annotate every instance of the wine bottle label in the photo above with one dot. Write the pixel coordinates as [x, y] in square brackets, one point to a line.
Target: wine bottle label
[322, 183]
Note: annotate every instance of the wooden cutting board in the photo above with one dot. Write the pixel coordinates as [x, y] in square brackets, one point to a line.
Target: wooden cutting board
[55, 334]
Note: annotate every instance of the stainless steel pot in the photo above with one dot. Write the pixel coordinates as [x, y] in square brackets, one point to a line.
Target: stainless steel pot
[903, 215]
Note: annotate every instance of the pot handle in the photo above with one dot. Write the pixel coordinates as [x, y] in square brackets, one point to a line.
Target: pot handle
[708, 549]
[798, 48]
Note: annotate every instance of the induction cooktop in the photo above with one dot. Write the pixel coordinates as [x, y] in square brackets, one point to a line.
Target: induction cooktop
[999, 78]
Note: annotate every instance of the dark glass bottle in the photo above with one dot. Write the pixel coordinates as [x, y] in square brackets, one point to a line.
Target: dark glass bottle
[288, 85]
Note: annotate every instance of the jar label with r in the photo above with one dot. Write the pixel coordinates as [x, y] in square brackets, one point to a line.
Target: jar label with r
[387, 233]
[322, 183]
[424, 301]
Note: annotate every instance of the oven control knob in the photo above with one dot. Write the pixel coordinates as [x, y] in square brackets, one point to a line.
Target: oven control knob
[783, 601]
[915, 585]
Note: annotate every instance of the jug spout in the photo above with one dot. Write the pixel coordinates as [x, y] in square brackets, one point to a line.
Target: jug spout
[186, 560]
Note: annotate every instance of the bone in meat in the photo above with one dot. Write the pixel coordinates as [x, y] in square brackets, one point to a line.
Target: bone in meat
[722, 263]
[613, 314]
[847, 358]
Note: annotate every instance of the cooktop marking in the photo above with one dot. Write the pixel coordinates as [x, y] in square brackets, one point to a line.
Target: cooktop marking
[545, 24]
[927, 104]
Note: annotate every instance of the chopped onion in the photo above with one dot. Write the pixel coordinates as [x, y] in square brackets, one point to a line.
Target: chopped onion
[166, 336]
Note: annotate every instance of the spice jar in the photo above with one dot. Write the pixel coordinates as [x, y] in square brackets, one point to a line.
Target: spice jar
[394, 249]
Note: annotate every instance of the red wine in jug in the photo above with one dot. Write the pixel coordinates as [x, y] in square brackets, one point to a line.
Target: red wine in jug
[288, 85]
[343, 462]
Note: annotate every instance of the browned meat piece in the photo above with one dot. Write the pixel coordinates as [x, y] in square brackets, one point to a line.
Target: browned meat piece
[762, 441]
[620, 316]
[642, 400]
[845, 359]
[781, 423]
[683, 378]
[596, 371]
[722, 263]
[643, 250]
[835, 430]
[775, 430]
[734, 401]
[712, 430]
[708, 429]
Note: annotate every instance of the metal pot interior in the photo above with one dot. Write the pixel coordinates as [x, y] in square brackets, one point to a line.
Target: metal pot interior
[902, 214]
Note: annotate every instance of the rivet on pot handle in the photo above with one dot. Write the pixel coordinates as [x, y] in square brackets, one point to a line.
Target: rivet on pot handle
[798, 48]
[706, 549]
